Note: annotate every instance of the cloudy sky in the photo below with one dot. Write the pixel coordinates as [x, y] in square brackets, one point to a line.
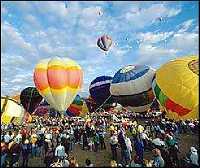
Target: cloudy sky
[150, 33]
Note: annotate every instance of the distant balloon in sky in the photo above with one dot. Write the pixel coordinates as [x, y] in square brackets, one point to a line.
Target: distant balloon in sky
[131, 87]
[58, 80]
[104, 42]
[30, 99]
[176, 87]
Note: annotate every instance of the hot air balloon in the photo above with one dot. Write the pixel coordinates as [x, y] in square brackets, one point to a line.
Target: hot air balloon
[44, 103]
[30, 99]
[41, 111]
[176, 87]
[104, 42]
[90, 104]
[100, 89]
[77, 108]
[131, 87]
[58, 80]
[27, 117]
[16, 98]
[11, 111]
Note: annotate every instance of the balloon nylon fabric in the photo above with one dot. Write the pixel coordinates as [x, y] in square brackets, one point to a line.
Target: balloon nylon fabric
[58, 81]
[131, 87]
[11, 111]
[176, 87]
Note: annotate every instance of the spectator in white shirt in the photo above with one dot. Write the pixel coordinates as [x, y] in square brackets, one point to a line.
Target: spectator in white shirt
[194, 157]
[60, 151]
[7, 138]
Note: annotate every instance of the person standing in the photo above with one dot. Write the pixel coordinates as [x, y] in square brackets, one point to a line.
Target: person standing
[85, 140]
[101, 139]
[26, 149]
[113, 145]
[15, 151]
[158, 160]
[49, 156]
[34, 139]
[60, 151]
[96, 141]
[139, 148]
[129, 150]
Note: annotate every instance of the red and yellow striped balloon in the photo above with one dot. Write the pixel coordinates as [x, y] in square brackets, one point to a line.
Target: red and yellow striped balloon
[58, 80]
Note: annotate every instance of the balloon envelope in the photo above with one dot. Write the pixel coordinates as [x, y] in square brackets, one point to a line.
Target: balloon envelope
[30, 99]
[131, 87]
[104, 42]
[176, 87]
[77, 108]
[41, 111]
[11, 111]
[100, 89]
[58, 80]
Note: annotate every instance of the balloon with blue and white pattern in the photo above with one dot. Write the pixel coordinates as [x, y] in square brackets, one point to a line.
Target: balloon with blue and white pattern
[131, 87]
[100, 89]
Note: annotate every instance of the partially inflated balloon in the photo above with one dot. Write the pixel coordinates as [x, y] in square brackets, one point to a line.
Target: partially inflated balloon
[30, 99]
[27, 117]
[11, 111]
[77, 108]
[176, 87]
[131, 87]
[58, 80]
[104, 42]
[100, 89]
[90, 104]
[16, 97]
[41, 110]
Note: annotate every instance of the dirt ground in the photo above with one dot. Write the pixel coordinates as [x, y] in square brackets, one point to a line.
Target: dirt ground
[103, 157]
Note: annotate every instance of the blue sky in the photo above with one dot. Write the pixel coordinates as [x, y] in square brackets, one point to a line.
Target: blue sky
[31, 31]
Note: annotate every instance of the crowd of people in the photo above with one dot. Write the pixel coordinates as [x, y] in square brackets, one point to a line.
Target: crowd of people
[53, 139]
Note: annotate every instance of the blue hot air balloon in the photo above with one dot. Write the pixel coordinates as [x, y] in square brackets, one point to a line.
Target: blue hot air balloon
[131, 87]
[100, 89]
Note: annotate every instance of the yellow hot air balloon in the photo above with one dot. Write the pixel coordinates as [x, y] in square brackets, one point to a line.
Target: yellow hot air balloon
[58, 80]
[11, 111]
[176, 87]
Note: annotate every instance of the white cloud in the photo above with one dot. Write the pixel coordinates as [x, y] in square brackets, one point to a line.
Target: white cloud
[150, 55]
[11, 37]
[32, 20]
[151, 37]
[45, 48]
[49, 29]
[187, 42]
[3, 10]
[147, 15]
[196, 29]
[185, 26]
[53, 10]
[173, 12]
